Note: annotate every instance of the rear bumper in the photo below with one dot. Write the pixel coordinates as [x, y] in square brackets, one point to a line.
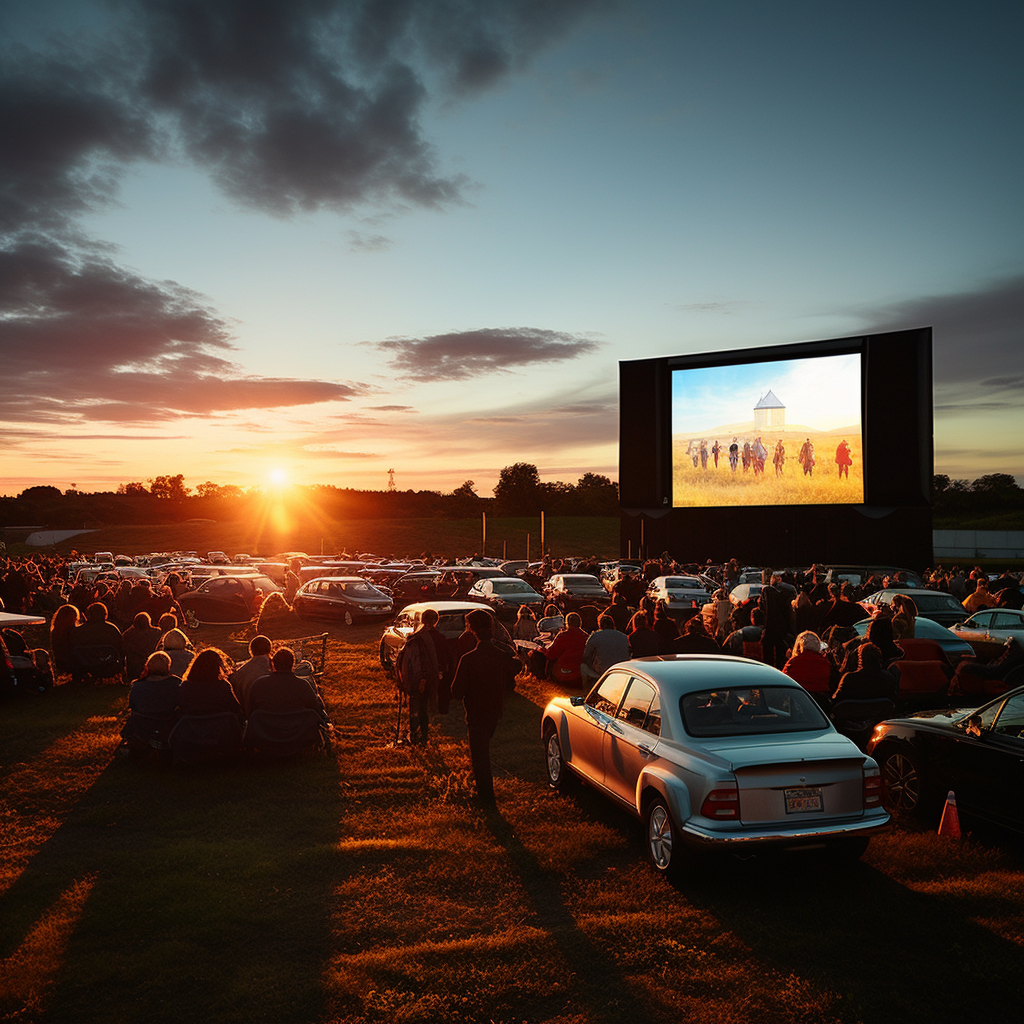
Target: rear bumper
[773, 836]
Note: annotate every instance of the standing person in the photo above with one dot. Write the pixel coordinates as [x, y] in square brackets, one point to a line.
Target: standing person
[806, 457]
[716, 450]
[483, 676]
[779, 458]
[844, 459]
[417, 670]
[703, 454]
[776, 608]
[734, 454]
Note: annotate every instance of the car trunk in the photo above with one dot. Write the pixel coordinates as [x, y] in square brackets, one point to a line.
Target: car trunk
[801, 791]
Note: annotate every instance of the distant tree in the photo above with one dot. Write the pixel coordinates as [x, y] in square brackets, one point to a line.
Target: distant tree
[171, 487]
[465, 490]
[597, 495]
[133, 487]
[40, 492]
[518, 490]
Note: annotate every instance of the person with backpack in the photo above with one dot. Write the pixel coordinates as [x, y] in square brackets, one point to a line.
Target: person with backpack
[418, 672]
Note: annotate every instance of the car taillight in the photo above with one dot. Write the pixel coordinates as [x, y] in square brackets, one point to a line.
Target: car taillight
[872, 787]
[722, 804]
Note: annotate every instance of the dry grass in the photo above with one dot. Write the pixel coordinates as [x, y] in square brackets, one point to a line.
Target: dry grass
[367, 887]
[713, 487]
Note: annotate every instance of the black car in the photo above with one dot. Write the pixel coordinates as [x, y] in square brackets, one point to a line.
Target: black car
[226, 599]
[345, 599]
[931, 604]
[978, 753]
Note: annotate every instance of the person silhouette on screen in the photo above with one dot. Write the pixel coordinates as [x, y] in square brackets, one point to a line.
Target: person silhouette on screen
[844, 459]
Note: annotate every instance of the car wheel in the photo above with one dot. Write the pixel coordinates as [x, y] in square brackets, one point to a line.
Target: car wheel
[662, 838]
[348, 619]
[554, 762]
[191, 619]
[902, 782]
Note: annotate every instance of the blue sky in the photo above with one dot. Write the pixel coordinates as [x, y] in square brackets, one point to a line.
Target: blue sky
[822, 394]
[339, 238]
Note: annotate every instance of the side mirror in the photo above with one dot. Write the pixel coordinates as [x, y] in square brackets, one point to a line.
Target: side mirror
[577, 701]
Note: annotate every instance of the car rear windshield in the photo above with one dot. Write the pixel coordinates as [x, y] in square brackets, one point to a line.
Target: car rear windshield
[937, 603]
[512, 588]
[745, 712]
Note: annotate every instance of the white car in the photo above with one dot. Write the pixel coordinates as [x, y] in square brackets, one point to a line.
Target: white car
[678, 592]
[715, 752]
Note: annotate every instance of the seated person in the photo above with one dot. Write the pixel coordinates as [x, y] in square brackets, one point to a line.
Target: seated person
[605, 647]
[205, 688]
[155, 692]
[643, 641]
[282, 690]
[695, 639]
[140, 640]
[552, 621]
[565, 652]
[745, 634]
[177, 645]
[96, 631]
[808, 666]
[870, 681]
[255, 668]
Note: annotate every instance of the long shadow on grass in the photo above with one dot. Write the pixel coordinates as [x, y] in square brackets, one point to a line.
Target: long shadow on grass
[600, 986]
[889, 953]
[209, 899]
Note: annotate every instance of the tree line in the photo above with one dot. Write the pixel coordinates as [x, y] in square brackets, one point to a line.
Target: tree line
[519, 492]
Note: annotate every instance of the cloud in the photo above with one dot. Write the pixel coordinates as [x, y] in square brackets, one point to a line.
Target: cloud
[978, 335]
[85, 339]
[462, 355]
[289, 105]
[391, 408]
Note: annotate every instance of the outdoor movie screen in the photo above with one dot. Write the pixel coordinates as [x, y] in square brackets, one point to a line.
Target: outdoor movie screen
[786, 432]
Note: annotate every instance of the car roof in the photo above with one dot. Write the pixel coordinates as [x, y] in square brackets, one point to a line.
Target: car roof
[692, 673]
[446, 606]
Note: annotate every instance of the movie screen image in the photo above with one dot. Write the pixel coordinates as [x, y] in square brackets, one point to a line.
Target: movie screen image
[785, 432]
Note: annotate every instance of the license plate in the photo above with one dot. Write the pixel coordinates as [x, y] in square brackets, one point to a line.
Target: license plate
[801, 801]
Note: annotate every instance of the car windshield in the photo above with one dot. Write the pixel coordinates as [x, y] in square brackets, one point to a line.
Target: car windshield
[512, 588]
[750, 712]
[357, 589]
[937, 603]
[676, 582]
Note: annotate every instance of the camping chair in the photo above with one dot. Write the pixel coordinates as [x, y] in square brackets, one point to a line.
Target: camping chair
[196, 739]
[309, 648]
[285, 733]
[920, 682]
[147, 732]
[97, 661]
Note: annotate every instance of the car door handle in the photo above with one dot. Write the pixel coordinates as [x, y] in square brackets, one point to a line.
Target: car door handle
[645, 750]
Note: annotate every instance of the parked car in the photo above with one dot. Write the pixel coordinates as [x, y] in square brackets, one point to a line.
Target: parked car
[573, 590]
[506, 594]
[678, 592]
[926, 629]
[715, 753]
[991, 627]
[451, 624]
[345, 599]
[932, 604]
[226, 599]
[976, 752]
[744, 592]
[858, 575]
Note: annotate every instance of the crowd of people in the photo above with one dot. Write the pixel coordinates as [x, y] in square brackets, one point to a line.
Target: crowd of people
[797, 622]
[753, 456]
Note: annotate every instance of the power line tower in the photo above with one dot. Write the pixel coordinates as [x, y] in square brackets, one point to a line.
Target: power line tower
[391, 481]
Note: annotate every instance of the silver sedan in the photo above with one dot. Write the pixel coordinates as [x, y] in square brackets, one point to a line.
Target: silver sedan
[714, 752]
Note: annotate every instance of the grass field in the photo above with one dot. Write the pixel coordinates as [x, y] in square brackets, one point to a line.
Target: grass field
[694, 486]
[366, 886]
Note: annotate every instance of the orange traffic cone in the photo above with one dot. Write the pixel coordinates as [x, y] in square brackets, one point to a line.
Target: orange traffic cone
[949, 825]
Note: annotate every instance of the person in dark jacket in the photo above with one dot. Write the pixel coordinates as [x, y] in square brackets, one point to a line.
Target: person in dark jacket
[205, 688]
[870, 681]
[282, 691]
[481, 680]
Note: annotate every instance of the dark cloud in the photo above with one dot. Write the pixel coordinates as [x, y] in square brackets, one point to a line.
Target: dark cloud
[289, 105]
[85, 339]
[978, 335]
[465, 354]
[391, 408]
